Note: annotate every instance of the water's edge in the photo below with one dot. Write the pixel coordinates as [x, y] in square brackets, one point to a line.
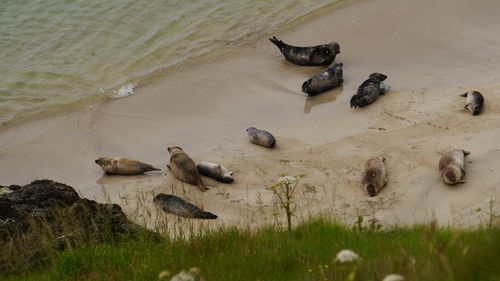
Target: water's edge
[91, 99]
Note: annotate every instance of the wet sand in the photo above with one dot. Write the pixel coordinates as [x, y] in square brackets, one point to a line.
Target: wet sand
[432, 51]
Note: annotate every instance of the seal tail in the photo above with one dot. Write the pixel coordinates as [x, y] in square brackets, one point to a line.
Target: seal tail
[148, 168]
[203, 187]
[354, 101]
[272, 144]
[280, 44]
[464, 95]
[207, 215]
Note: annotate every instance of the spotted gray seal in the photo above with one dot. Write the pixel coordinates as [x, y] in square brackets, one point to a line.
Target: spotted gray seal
[474, 102]
[369, 90]
[374, 176]
[184, 168]
[308, 56]
[123, 166]
[180, 207]
[261, 137]
[452, 166]
[215, 171]
[324, 81]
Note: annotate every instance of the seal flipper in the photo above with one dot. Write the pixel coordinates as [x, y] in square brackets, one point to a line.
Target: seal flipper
[464, 95]
[354, 101]
[203, 187]
[280, 44]
[148, 168]
[466, 152]
[207, 215]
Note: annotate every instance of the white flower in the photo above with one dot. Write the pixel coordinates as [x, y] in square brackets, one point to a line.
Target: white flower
[287, 179]
[191, 275]
[183, 276]
[393, 277]
[490, 200]
[163, 274]
[347, 256]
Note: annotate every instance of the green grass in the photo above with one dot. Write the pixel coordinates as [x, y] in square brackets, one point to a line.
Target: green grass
[418, 253]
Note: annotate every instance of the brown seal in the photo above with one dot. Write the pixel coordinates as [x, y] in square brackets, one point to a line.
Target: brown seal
[184, 168]
[123, 166]
[374, 176]
[452, 166]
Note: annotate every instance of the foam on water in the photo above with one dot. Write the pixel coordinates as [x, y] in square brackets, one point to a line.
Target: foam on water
[58, 52]
[124, 91]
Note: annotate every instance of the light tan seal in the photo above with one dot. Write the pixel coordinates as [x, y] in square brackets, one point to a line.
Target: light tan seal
[452, 166]
[184, 168]
[123, 166]
[374, 176]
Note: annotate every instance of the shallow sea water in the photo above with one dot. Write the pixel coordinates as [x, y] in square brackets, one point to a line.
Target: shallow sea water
[57, 52]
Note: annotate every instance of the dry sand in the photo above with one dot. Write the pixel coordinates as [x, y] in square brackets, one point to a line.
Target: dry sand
[432, 51]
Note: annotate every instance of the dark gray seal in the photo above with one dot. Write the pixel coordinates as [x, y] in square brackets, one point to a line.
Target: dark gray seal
[452, 166]
[474, 102]
[180, 207]
[326, 80]
[261, 137]
[374, 176]
[369, 90]
[215, 171]
[308, 56]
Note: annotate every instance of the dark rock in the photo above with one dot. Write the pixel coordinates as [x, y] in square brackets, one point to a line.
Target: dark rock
[49, 215]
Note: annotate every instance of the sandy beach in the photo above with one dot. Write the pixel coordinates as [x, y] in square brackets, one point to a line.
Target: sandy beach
[431, 51]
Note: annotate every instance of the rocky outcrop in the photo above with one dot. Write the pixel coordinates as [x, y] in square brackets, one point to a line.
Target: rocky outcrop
[46, 215]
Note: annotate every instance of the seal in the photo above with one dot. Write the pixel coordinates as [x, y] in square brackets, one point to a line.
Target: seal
[261, 137]
[184, 168]
[326, 80]
[451, 166]
[180, 207]
[369, 90]
[215, 171]
[374, 176]
[308, 56]
[474, 102]
[123, 166]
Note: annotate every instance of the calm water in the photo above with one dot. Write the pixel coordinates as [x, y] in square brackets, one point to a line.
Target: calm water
[56, 52]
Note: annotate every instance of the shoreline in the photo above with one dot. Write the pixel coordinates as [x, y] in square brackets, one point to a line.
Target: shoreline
[225, 48]
[206, 107]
